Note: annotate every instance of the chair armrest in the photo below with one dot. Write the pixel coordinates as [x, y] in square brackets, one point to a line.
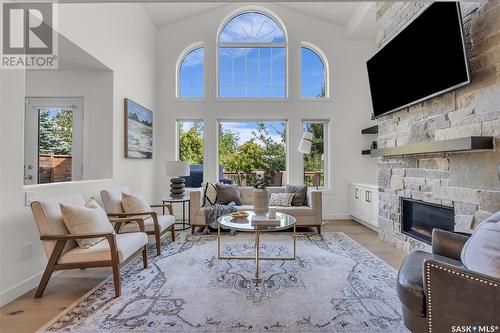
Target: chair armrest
[76, 236]
[315, 201]
[131, 214]
[448, 244]
[456, 296]
[120, 220]
[166, 205]
[195, 201]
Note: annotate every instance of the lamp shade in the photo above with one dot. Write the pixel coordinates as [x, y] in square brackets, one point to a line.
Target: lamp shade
[177, 169]
[306, 143]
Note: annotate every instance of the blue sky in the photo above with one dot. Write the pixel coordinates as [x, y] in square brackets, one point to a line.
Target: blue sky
[244, 129]
[251, 72]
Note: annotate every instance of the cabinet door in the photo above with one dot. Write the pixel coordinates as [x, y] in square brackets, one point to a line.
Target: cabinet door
[355, 201]
[366, 206]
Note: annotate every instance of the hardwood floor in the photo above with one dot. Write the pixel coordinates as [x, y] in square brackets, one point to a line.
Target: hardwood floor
[27, 314]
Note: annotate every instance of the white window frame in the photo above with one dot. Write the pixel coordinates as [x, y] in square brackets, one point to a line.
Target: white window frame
[178, 77]
[219, 45]
[326, 149]
[326, 73]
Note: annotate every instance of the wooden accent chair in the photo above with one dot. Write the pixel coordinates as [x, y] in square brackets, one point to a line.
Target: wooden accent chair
[63, 253]
[155, 225]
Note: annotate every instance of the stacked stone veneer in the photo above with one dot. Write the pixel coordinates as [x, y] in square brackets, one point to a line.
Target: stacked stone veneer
[466, 181]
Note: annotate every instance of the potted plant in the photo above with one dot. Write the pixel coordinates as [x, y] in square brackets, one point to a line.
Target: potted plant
[260, 196]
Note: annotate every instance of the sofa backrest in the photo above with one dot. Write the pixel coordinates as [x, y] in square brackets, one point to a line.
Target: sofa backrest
[246, 193]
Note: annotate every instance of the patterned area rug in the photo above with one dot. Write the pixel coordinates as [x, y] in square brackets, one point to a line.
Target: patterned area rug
[334, 285]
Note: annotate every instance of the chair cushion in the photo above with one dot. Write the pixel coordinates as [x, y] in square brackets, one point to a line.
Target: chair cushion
[164, 221]
[410, 286]
[227, 194]
[112, 199]
[127, 244]
[300, 196]
[135, 203]
[89, 218]
[281, 199]
[481, 252]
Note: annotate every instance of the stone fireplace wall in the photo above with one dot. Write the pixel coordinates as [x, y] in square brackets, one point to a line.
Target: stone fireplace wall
[466, 181]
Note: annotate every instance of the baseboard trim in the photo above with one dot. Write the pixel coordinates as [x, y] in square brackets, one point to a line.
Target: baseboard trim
[22, 288]
[337, 217]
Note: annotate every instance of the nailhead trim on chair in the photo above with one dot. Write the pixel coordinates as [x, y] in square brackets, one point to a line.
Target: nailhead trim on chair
[428, 274]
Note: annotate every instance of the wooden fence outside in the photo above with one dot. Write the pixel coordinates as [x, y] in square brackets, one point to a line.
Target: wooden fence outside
[54, 168]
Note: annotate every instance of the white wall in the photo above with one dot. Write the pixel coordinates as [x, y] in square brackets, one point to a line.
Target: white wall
[122, 37]
[348, 109]
[96, 89]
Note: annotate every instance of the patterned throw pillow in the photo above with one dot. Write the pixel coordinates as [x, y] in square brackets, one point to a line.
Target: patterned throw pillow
[281, 199]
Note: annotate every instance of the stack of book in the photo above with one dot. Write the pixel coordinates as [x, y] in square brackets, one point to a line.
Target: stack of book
[265, 220]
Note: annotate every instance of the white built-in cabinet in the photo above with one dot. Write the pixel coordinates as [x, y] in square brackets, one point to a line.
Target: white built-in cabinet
[363, 201]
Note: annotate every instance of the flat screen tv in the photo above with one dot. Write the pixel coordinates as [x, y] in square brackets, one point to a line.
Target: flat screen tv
[425, 59]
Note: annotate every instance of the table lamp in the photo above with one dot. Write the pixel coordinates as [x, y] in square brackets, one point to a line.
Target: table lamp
[176, 170]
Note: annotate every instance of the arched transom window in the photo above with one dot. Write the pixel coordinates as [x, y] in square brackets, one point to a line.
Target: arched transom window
[252, 57]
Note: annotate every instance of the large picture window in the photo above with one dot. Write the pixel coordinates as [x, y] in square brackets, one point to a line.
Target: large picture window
[315, 163]
[253, 149]
[252, 58]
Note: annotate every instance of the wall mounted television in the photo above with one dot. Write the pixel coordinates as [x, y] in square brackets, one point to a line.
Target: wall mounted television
[425, 59]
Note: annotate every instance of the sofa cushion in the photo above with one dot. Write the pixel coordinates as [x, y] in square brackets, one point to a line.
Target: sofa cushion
[281, 199]
[296, 210]
[227, 194]
[127, 244]
[481, 252]
[87, 219]
[164, 221]
[410, 285]
[300, 191]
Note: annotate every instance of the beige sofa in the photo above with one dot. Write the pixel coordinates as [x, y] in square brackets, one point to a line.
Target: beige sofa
[309, 215]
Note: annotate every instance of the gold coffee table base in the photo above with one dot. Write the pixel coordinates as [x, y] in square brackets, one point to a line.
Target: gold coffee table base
[257, 256]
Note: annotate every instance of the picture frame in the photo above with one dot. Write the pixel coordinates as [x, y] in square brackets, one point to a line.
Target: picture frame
[138, 131]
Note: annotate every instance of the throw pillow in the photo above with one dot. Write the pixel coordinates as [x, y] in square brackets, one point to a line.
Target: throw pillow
[281, 199]
[300, 197]
[209, 195]
[87, 219]
[481, 252]
[228, 193]
[135, 203]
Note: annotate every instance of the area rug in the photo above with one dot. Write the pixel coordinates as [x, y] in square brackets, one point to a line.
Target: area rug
[334, 285]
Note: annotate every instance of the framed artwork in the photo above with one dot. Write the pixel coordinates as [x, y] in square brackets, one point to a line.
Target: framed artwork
[138, 131]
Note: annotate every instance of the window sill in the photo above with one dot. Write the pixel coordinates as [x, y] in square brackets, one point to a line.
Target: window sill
[76, 182]
[314, 99]
[255, 100]
[179, 99]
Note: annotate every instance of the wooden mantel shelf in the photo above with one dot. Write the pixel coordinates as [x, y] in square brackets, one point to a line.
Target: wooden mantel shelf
[470, 143]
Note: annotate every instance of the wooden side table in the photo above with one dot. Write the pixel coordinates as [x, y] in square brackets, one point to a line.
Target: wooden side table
[184, 200]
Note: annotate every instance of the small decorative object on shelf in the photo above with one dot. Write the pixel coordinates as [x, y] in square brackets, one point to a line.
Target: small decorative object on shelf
[260, 196]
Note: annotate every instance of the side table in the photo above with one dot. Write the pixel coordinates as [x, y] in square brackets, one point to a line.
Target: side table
[184, 200]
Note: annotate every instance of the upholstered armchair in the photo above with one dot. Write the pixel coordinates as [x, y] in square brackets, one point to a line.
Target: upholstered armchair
[438, 292]
[155, 224]
[62, 250]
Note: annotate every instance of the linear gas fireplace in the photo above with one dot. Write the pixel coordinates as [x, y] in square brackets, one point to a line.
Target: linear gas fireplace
[419, 218]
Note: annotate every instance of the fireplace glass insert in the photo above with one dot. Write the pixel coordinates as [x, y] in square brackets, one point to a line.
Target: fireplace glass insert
[419, 218]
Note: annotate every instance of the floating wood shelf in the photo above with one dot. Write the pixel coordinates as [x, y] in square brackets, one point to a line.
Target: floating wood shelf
[370, 130]
[445, 146]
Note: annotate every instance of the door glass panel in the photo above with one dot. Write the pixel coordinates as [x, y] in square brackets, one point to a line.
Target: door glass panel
[55, 145]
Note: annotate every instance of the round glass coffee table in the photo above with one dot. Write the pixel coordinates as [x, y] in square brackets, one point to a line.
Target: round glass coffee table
[257, 224]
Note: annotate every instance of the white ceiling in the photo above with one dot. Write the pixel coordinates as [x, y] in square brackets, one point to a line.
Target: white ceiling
[357, 17]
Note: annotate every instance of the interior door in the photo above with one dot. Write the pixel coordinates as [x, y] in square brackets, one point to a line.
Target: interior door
[53, 140]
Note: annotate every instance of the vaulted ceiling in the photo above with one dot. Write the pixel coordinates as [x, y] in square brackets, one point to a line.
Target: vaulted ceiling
[358, 18]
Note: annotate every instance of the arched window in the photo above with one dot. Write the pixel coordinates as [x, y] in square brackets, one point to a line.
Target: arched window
[313, 74]
[252, 57]
[191, 82]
